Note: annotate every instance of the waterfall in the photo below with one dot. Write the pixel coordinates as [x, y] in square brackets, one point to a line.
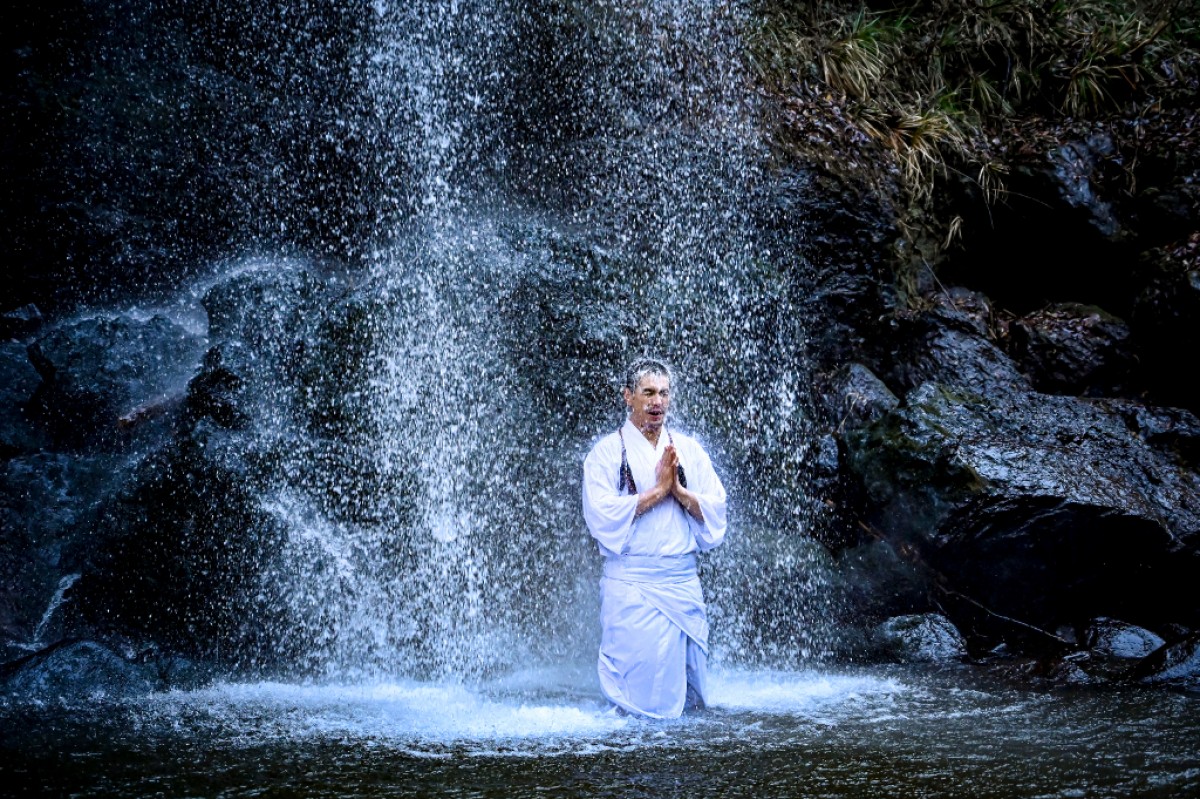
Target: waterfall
[375, 469]
[564, 189]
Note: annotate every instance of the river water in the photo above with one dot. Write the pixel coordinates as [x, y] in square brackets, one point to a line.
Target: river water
[952, 731]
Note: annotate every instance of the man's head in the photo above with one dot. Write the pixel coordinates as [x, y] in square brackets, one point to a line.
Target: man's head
[647, 392]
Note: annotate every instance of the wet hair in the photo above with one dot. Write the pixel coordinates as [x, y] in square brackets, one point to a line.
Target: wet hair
[645, 366]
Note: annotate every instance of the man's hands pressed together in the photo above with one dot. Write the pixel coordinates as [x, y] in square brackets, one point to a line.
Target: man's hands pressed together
[666, 483]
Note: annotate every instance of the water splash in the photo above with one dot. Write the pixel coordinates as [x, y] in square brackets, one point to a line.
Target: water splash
[530, 713]
[571, 189]
[35, 641]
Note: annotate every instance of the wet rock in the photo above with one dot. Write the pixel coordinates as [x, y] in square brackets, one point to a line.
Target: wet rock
[876, 582]
[49, 506]
[169, 670]
[177, 554]
[1067, 633]
[855, 396]
[287, 337]
[1074, 167]
[571, 300]
[1165, 315]
[1177, 665]
[20, 322]
[945, 347]
[1043, 508]
[330, 366]
[96, 371]
[218, 392]
[832, 240]
[1113, 638]
[18, 381]
[73, 671]
[263, 305]
[965, 309]
[827, 462]
[1092, 667]
[20, 580]
[1075, 668]
[1070, 670]
[851, 396]
[922, 638]
[1172, 431]
[1073, 349]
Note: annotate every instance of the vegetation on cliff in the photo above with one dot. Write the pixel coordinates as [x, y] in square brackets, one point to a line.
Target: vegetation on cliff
[913, 97]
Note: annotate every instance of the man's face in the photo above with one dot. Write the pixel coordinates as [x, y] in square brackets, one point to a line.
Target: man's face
[648, 403]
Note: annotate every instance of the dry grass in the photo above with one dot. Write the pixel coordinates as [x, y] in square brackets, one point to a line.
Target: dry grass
[932, 81]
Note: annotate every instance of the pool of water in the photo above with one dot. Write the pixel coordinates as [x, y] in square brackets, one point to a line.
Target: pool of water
[828, 733]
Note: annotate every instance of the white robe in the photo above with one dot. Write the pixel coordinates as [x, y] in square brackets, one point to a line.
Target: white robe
[654, 641]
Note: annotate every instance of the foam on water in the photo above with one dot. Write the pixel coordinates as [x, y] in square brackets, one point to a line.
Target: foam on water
[806, 692]
[537, 712]
[937, 731]
[400, 711]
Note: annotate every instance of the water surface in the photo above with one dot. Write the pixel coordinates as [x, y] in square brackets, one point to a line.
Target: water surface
[835, 733]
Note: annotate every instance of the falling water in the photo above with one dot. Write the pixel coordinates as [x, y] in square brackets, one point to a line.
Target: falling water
[35, 642]
[562, 211]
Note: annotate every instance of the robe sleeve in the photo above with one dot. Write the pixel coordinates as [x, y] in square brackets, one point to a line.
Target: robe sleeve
[608, 513]
[704, 483]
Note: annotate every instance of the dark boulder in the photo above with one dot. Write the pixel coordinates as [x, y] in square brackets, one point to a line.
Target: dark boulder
[75, 671]
[850, 397]
[49, 506]
[183, 552]
[921, 638]
[1040, 509]
[874, 582]
[1117, 639]
[854, 396]
[831, 241]
[177, 555]
[96, 372]
[262, 304]
[1075, 173]
[1046, 508]
[1176, 665]
[1073, 349]
[18, 381]
[945, 346]
[566, 321]
[219, 391]
[20, 322]
[966, 310]
[1172, 431]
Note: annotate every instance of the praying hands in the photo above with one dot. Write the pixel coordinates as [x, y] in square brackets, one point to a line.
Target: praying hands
[666, 477]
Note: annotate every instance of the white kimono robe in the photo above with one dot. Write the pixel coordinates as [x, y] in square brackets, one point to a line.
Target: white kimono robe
[654, 643]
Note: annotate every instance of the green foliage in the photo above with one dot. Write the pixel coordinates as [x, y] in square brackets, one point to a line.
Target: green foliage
[937, 83]
[926, 78]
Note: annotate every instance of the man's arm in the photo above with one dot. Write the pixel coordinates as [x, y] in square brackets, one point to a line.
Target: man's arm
[703, 499]
[665, 477]
[689, 501]
[608, 513]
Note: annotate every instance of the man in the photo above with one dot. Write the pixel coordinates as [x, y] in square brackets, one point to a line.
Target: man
[652, 501]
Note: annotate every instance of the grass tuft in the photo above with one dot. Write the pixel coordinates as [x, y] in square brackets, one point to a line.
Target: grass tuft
[934, 82]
